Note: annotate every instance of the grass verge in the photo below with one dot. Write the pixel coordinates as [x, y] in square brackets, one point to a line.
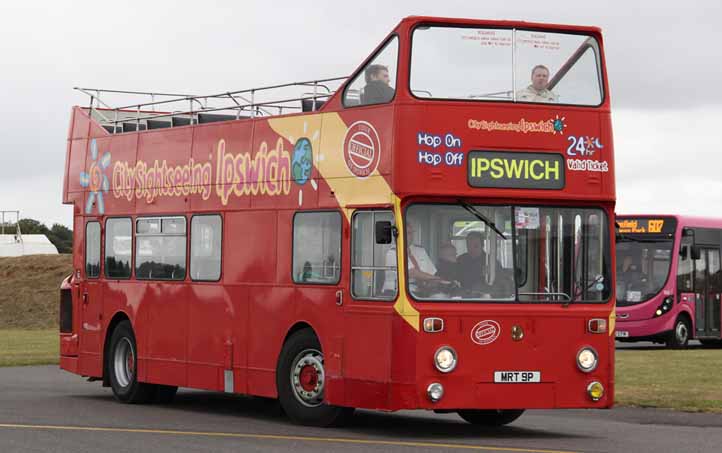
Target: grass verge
[685, 380]
[28, 347]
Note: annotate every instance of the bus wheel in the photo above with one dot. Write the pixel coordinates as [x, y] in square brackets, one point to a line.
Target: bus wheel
[498, 417]
[301, 379]
[679, 337]
[122, 366]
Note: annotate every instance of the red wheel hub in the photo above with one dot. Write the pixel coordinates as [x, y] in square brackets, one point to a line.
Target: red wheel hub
[308, 378]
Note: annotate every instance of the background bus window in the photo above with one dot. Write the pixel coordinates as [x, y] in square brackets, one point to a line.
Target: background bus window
[374, 84]
[206, 233]
[317, 247]
[684, 270]
[118, 247]
[160, 249]
[373, 266]
[92, 250]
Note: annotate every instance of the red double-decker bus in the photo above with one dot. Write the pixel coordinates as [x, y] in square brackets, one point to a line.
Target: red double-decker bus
[669, 280]
[433, 232]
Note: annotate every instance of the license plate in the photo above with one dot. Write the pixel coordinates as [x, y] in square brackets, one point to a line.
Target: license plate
[517, 377]
[621, 334]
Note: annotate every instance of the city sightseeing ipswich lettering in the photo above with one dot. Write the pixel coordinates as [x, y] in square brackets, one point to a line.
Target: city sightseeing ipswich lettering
[516, 170]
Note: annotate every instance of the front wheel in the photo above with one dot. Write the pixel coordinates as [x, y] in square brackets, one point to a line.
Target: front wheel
[301, 380]
[679, 337]
[498, 417]
[122, 366]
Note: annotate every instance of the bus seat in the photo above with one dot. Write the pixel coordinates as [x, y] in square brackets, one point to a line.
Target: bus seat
[158, 124]
[214, 117]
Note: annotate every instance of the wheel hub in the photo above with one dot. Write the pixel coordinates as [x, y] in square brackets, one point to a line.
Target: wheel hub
[124, 362]
[308, 378]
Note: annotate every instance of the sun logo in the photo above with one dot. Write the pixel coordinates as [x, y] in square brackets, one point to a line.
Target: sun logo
[303, 159]
[95, 179]
[559, 124]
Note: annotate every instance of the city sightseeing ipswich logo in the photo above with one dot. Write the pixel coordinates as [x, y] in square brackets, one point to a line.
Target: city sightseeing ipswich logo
[95, 179]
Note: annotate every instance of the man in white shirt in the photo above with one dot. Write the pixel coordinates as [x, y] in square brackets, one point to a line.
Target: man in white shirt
[537, 91]
[421, 269]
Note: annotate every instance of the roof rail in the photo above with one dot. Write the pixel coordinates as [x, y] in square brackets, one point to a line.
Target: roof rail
[248, 103]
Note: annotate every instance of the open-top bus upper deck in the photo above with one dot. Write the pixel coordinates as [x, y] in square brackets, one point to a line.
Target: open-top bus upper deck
[457, 124]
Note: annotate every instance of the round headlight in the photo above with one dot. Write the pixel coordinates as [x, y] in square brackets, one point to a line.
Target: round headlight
[587, 359]
[445, 359]
[595, 390]
[435, 392]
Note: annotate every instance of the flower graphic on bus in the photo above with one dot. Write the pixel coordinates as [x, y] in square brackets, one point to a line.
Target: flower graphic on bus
[95, 179]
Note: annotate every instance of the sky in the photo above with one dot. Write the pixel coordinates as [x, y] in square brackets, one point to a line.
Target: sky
[663, 63]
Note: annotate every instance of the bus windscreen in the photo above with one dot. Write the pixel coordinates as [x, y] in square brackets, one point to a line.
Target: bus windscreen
[644, 255]
[496, 64]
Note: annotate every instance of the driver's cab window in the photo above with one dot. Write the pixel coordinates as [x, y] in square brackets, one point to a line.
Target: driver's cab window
[376, 83]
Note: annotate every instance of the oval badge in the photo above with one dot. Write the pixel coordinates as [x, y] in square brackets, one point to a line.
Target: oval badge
[361, 149]
[485, 332]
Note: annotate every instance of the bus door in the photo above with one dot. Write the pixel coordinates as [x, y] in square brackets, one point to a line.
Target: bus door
[708, 290]
[91, 296]
[369, 304]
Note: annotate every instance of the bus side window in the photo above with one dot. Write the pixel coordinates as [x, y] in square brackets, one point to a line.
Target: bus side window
[92, 250]
[317, 247]
[684, 270]
[206, 246]
[373, 266]
[375, 83]
[118, 246]
[160, 248]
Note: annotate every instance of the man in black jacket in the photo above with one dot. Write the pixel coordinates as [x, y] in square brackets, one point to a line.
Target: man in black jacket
[377, 89]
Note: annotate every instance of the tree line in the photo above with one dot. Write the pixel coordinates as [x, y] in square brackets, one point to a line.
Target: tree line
[60, 235]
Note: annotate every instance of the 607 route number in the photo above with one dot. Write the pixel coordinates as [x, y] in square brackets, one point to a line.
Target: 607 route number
[515, 377]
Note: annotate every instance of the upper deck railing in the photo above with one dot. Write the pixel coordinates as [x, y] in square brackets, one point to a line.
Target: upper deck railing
[156, 110]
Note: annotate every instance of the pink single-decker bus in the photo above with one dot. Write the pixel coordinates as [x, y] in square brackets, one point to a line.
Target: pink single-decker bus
[668, 279]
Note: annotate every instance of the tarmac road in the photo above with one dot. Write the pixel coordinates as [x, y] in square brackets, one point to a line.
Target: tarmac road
[43, 409]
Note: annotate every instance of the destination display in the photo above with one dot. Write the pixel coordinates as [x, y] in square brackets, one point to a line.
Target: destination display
[515, 170]
[658, 225]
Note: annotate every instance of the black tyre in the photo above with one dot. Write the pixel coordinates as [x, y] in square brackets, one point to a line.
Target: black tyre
[164, 394]
[679, 336]
[122, 364]
[301, 379]
[498, 417]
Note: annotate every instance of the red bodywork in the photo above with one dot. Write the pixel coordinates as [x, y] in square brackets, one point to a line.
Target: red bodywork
[376, 353]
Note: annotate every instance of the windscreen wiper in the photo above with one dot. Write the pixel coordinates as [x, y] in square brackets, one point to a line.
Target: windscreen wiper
[625, 238]
[481, 217]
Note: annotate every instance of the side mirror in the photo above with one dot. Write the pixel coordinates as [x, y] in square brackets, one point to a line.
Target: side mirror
[683, 251]
[384, 232]
[696, 252]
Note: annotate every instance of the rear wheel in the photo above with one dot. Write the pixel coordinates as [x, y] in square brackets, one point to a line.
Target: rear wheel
[122, 366]
[301, 380]
[679, 337]
[498, 417]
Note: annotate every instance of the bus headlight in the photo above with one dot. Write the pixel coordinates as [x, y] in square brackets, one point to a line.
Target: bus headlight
[445, 359]
[587, 359]
[435, 392]
[665, 306]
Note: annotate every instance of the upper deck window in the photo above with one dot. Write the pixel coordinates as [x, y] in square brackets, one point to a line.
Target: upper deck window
[505, 65]
[376, 83]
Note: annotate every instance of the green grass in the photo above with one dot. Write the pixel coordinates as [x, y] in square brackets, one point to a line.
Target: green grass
[28, 347]
[686, 380]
